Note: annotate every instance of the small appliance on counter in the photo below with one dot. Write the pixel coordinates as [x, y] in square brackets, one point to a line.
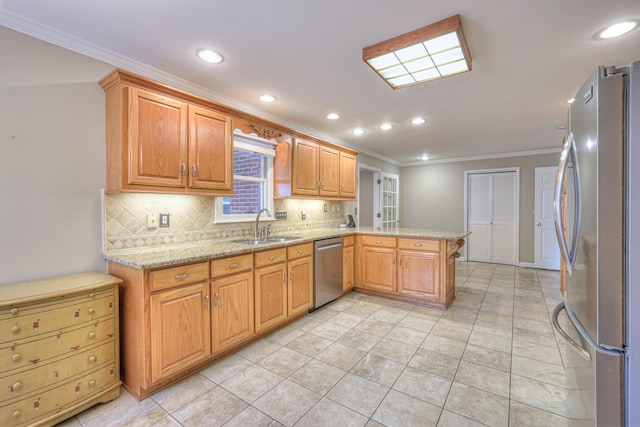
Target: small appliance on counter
[352, 223]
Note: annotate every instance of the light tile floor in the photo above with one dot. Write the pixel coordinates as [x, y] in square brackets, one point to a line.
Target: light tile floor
[491, 359]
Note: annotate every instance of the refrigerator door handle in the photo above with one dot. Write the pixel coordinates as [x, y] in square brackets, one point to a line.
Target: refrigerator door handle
[580, 348]
[569, 255]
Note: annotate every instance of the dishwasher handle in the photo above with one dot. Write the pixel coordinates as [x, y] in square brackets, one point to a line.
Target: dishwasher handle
[334, 245]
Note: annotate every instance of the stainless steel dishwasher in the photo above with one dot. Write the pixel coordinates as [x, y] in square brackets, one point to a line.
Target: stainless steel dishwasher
[327, 271]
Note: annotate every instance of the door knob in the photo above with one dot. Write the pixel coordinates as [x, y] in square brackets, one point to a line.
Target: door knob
[539, 224]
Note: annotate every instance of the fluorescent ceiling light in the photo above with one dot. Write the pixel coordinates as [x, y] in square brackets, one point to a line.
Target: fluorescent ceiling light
[417, 121]
[358, 131]
[209, 56]
[385, 126]
[267, 98]
[333, 116]
[618, 29]
[432, 52]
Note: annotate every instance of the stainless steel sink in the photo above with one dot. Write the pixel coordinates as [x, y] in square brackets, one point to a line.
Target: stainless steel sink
[265, 241]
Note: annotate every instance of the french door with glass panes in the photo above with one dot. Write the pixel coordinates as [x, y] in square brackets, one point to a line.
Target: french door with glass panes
[388, 206]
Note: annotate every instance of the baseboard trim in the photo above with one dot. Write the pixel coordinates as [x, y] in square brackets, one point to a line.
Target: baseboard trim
[526, 264]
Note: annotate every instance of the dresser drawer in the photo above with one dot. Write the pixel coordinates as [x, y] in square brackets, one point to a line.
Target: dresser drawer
[32, 322]
[28, 352]
[224, 266]
[384, 242]
[22, 383]
[54, 400]
[273, 256]
[419, 244]
[348, 241]
[170, 277]
[299, 251]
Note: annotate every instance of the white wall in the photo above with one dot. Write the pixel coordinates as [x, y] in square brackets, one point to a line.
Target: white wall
[52, 160]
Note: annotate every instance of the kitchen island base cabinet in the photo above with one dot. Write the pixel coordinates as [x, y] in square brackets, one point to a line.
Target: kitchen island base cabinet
[415, 270]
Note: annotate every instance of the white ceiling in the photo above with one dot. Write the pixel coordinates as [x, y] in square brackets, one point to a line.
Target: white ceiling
[529, 57]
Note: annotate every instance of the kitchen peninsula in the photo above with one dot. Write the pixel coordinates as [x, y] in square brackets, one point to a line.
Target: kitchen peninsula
[185, 305]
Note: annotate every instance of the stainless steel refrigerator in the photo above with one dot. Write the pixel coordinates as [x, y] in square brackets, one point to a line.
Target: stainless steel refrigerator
[599, 318]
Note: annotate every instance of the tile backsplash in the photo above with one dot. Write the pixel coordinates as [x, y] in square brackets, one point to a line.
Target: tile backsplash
[192, 218]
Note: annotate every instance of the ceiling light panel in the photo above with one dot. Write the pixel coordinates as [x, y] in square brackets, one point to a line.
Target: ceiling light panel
[428, 53]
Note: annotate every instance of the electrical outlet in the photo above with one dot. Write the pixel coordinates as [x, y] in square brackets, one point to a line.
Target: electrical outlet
[325, 207]
[152, 220]
[304, 214]
[164, 220]
[281, 214]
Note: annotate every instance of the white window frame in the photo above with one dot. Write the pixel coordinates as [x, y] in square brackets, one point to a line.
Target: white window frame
[265, 148]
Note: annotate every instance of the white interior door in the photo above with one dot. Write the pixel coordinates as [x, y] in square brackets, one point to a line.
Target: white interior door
[492, 217]
[546, 251]
[389, 200]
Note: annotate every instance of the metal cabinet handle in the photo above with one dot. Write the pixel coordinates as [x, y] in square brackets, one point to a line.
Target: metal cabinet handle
[377, 242]
[16, 386]
[16, 357]
[16, 413]
[300, 251]
[234, 265]
[393, 260]
[92, 334]
[15, 329]
[14, 311]
[194, 170]
[342, 187]
[272, 257]
[217, 299]
[285, 277]
[93, 359]
[419, 245]
[400, 261]
[318, 184]
[184, 169]
[182, 276]
[206, 302]
[92, 310]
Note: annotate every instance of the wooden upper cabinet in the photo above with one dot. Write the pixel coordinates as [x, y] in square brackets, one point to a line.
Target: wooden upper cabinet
[164, 141]
[305, 181]
[347, 175]
[329, 171]
[210, 150]
[157, 139]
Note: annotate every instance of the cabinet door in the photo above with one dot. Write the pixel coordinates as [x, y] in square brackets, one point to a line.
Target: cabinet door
[305, 168]
[300, 290]
[329, 172]
[347, 176]
[232, 319]
[347, 269]
[180, 329]
[210, 150]
[419, 273]
[271, 295]
[157, 134]
[378, 268]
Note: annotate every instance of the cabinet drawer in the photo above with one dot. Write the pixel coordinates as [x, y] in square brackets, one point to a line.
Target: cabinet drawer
[28, 352]
[30, 380]
[385, 242]
[15, 310]
[55, 400]
[271, 257]
[30, 323]
[299, 251]
[169, 277]
[221, 267]
[348, 241]
[419, 244]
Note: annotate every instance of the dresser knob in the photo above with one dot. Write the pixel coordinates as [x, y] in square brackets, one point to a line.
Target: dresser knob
[17, 386]
[15, 329]
[14, 311]
[16, 357]
[92, 295]
[92, 310]
[92, 383]
[92, 359]
[92, 334]
[16, 413]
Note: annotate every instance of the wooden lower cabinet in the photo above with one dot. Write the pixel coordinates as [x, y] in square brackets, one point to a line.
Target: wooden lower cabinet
[377, 263]
[59, 348]
[300, 286]
[232, 313]
[271, 295]
[419, 273]
[347, 268]
[180, 329]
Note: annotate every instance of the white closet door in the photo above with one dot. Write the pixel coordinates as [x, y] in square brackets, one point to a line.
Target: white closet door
[492, 217]
[504, 218]
[479, 218]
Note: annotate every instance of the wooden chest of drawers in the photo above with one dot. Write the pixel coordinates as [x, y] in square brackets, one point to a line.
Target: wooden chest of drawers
[59, 347]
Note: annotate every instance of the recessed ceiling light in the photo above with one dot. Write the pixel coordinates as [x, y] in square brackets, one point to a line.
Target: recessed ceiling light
[561, 127]
[417, 121]
[209, 56]
[424, 157]
[267, 98]
[618, 29]
[428, 53]
[333, 116]
[385, 126]
[358, 131]
[570, 101]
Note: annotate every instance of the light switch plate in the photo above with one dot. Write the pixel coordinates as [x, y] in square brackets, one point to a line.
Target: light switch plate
[152, 220]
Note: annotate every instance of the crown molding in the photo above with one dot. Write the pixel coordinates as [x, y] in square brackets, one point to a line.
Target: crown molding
[484, 157]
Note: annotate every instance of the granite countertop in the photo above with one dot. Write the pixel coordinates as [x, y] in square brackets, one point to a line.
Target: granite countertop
[167, 255]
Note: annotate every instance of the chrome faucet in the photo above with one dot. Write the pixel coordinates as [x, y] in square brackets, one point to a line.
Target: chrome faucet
[256, 234]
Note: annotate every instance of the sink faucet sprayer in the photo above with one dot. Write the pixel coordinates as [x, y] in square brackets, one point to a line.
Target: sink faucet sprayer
[256, 235]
